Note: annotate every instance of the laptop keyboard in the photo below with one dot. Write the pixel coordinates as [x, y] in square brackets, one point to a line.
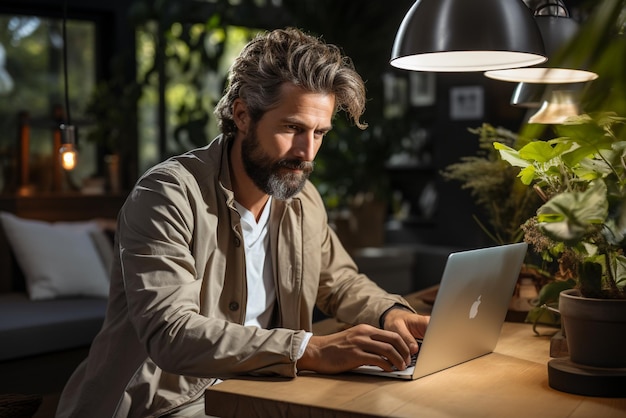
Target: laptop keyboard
[414, 356]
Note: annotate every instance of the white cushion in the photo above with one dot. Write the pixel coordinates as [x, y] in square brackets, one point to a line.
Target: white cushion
[57, 259]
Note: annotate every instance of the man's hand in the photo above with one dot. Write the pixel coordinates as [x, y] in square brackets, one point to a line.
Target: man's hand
[353, 347]
[408, 325]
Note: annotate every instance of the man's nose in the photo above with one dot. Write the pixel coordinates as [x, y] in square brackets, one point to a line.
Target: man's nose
[305, 146]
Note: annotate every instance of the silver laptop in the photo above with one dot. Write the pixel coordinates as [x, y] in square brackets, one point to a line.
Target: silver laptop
[470, 307]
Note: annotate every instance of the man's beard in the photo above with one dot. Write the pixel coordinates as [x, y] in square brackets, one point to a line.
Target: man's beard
[270, 175]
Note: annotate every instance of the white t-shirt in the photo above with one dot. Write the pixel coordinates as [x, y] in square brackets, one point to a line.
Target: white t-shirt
[259, 276]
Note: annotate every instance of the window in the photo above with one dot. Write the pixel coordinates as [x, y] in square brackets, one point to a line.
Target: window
[196, 59]
[32, 80]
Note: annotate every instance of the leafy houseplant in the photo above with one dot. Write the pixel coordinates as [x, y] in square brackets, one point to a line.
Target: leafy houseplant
[581, 176]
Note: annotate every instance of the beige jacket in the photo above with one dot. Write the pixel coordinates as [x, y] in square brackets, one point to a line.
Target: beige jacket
[178, 292]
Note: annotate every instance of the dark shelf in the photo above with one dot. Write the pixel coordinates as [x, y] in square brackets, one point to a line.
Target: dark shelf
[63, 206]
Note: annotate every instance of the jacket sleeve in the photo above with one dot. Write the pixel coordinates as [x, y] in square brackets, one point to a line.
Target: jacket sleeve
[344, 293]
[163, 291]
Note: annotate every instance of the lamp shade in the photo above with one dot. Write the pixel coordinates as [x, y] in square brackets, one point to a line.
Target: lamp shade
[528, 95]
[557, 30]
[561, 105]
[533, 95]
[467, 35]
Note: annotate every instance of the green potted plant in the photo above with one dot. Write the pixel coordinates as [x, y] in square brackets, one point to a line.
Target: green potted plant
[581, 176]
[582, 179]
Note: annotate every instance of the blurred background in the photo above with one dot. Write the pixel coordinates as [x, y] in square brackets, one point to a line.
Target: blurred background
[144, 75]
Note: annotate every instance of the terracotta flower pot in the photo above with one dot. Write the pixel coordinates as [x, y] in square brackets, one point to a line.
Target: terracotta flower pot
[595, 329]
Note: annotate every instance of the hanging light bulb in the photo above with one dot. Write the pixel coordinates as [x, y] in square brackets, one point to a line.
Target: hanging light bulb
[561, 105]
[68, 153]
[68, 157]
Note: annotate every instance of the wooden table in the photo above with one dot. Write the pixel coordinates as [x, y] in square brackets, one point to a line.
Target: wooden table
[510, 382]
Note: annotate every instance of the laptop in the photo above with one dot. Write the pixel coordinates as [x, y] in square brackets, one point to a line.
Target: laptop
[469, 310]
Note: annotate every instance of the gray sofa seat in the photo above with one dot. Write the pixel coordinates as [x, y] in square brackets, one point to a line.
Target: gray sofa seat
[35, 327]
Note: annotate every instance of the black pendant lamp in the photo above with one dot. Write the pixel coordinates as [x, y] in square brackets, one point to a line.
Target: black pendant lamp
[557, 30]
[467, 35]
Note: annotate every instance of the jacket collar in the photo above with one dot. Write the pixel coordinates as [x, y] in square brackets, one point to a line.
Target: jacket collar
[223, 145]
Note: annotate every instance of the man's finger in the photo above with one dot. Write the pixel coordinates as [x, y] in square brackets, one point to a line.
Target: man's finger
[396, 342]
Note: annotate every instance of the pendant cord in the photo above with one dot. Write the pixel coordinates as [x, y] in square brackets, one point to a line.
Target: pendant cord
[67, 95]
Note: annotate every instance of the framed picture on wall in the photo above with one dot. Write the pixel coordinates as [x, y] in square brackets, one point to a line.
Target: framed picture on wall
[422, 89]
[395, 88]
[467, 103]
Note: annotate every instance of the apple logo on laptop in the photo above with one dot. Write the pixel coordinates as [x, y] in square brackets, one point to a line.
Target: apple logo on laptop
[474, 309]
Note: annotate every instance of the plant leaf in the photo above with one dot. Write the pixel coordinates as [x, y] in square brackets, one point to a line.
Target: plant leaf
[538, 151]
[567, 216]
[620, 271]
[527, 175]
[510, 155]
[550, 292]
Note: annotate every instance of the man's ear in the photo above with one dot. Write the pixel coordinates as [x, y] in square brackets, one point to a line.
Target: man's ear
[241, 116]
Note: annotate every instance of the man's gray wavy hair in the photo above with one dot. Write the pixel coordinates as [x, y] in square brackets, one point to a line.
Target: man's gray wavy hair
[289, 55]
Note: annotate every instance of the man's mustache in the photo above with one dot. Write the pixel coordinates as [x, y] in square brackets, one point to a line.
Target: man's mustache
[293, 164]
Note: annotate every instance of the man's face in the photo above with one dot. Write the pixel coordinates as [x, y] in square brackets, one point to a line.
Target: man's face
[279, 149]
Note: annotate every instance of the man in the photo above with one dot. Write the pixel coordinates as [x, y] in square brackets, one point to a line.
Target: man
[223, 252]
